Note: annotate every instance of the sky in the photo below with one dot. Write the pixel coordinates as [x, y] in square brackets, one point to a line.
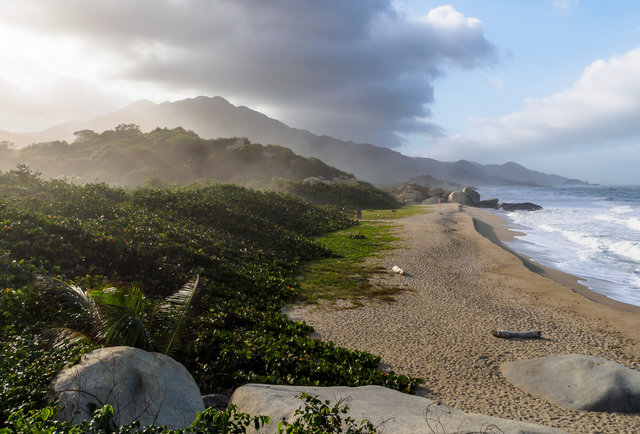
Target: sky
[551, 84]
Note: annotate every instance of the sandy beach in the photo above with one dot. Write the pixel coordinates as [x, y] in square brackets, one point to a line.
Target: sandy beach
[461, 283]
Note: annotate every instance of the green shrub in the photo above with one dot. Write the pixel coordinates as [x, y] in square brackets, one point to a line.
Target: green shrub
[27, 367]
[352, 196]
[318, 417]
[213, 421]
[246, 245]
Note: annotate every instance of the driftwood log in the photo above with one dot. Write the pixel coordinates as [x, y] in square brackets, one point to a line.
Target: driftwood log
[506, 334]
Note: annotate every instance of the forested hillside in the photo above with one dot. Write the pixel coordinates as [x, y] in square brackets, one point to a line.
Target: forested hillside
[126, 156]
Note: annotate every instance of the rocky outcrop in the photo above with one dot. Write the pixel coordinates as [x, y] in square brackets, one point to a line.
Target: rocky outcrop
[411, 193]
[437, 192]
[350, 180]
[414, 193]
[525, 206]
[148, 387]
[459, 197]
[487, 203]
[394, 411]
[578, 381]
[468, 196]
[473, 195]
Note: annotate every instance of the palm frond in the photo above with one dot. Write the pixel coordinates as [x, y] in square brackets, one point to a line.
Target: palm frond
[124, 312]
[67, 296]
[61, 336]
[113, 316]
[182, 297]
[76, 312]
[177, 306]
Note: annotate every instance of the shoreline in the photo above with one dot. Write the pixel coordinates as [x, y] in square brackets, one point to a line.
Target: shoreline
[460, 285]
[495, 228]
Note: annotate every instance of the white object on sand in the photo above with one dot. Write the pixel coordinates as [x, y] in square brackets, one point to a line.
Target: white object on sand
[397, 269]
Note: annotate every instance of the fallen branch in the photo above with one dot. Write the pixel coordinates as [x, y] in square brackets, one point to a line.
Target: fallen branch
[506, 334]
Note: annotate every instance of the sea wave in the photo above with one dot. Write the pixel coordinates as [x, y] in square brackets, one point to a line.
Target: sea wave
[591, 232]
[627, 249]
[632, 223]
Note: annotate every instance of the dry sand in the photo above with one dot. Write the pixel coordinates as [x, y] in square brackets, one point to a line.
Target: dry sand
[462, 283]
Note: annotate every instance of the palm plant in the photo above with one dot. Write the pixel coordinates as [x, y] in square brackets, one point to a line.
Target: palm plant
[75, 310]
[175, 309]
[123, 316]
[117, 316]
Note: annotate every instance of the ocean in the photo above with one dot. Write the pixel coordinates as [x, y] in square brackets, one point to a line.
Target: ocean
[591, 232]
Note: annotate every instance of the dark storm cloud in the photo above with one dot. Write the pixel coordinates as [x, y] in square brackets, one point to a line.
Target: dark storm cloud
[354, 69]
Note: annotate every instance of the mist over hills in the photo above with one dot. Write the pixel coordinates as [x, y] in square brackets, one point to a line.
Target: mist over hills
[215, 117]
[127, 156]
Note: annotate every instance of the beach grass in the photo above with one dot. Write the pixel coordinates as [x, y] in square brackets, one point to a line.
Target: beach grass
[349, 276]
[389, 214]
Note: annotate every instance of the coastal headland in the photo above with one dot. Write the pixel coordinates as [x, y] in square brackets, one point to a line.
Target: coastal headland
[461, 283]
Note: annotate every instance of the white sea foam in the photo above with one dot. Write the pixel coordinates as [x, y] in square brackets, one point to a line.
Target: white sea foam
[621, 209]
[627, 249]
[632, 223]
[590, 232]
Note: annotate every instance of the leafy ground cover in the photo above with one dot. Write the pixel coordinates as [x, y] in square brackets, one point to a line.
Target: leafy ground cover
[352, 196]
[246, 246]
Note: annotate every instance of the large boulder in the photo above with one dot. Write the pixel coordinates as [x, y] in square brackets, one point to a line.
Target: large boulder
[437, 192]
[397, 412]
[412, 196]
[460, 197]
[473, 195]
[411, 193]
[525, 206]
[579, 382]
[343, 179]
[313, 180]
[487, 203]
[149, 387]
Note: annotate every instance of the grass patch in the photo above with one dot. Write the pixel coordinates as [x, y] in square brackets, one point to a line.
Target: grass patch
[347, 276]
[388, 214]
[359, 242]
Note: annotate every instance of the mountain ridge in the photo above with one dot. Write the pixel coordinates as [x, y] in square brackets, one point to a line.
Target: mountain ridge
[213, 117]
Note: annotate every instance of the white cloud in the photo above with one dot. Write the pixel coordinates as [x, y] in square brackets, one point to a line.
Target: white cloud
[358, 70]
[600, 108]
[447, 17]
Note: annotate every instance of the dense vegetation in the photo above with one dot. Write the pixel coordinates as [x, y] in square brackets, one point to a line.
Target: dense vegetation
[359, 195]
[312, 417]
[127, 156]
[245, 245]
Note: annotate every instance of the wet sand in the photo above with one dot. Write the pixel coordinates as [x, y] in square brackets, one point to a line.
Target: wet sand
[461, 283]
